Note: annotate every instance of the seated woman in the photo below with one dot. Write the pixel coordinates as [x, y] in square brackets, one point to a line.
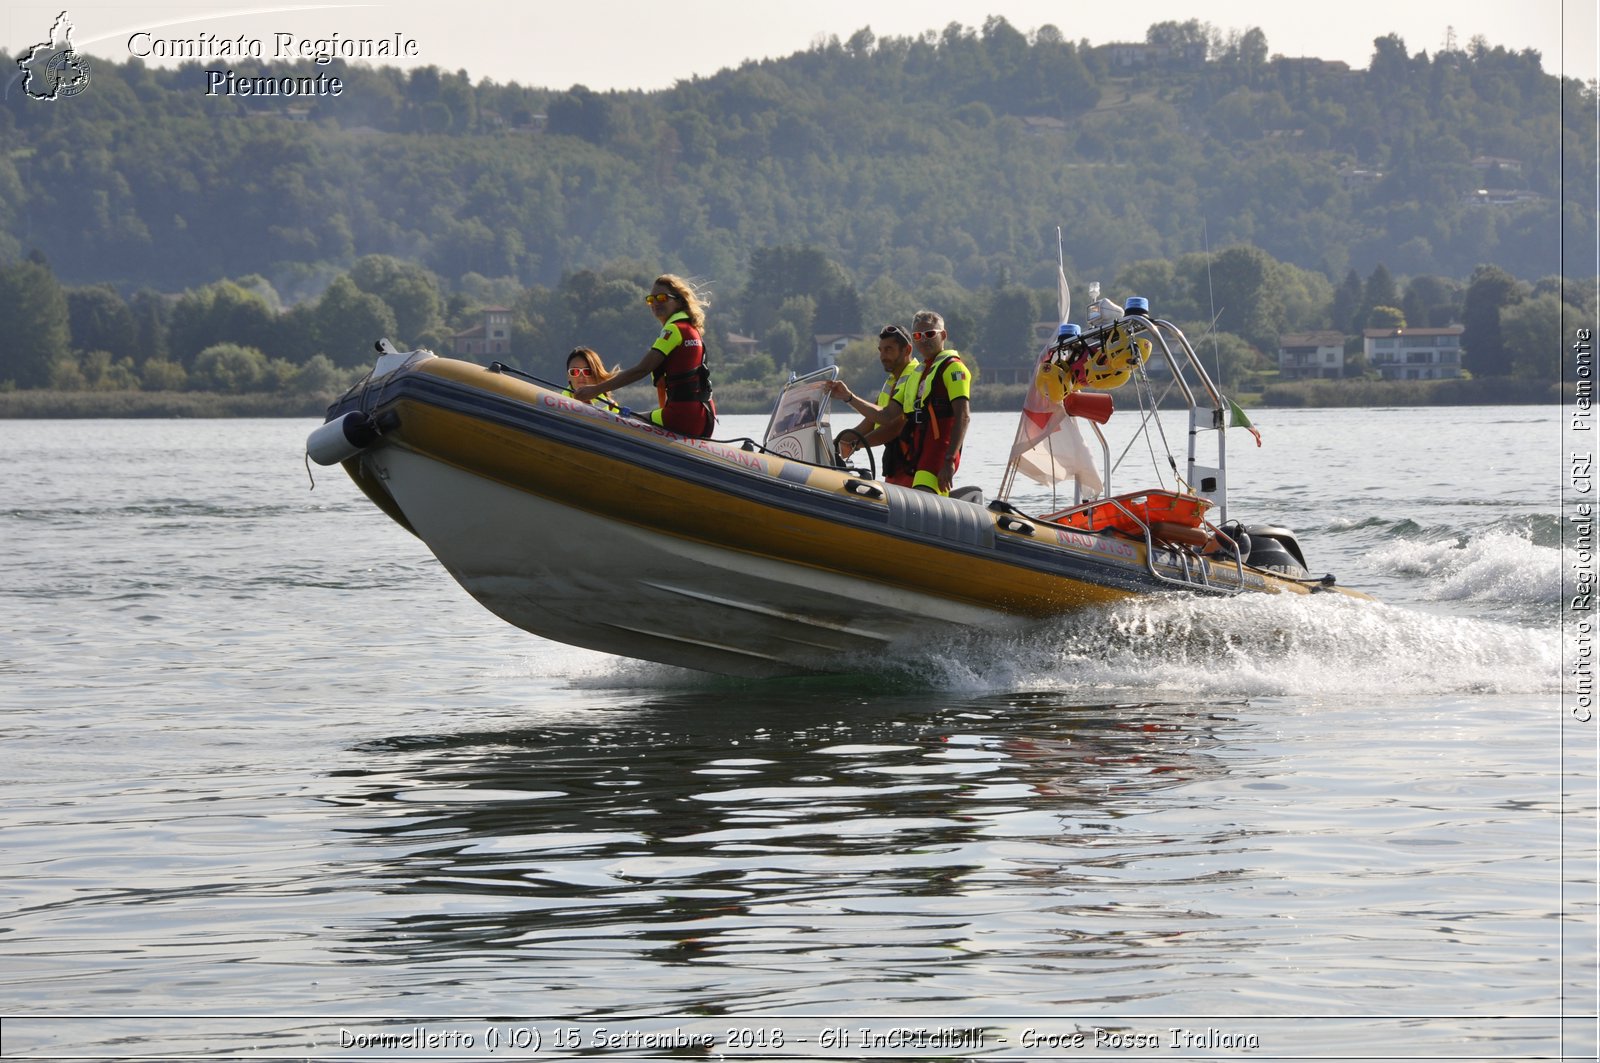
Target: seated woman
[584, 368]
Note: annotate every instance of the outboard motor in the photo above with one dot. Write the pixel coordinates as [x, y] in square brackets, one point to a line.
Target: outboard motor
[1241, 538]
[1275, 549]
[970, 493]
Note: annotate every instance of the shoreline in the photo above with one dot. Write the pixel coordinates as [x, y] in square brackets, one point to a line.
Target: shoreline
[42, 404]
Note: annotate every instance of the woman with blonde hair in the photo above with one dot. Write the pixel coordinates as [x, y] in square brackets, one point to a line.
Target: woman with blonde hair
[584, 367]
[675, 362]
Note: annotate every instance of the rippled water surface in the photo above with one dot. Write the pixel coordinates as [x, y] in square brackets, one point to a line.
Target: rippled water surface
[276, 785]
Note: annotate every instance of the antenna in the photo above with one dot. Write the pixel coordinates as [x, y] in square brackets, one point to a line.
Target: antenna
[1211, 297]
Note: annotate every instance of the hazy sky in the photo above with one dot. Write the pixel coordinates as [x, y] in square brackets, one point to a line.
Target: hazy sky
[624, 44]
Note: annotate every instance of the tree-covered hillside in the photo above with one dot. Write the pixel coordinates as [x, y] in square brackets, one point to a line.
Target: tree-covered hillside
[954, 153]
[150, 233]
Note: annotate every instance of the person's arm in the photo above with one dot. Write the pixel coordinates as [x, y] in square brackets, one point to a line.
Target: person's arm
[958, 435]
[890, 429]
[902, 398]
[646, 366]
[838, 389]
[871, 413]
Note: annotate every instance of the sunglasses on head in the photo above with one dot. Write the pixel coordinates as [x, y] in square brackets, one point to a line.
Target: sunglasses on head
[894, 332]
[654, 298]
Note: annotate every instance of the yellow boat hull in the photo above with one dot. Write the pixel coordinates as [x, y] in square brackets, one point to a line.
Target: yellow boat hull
[598, 530]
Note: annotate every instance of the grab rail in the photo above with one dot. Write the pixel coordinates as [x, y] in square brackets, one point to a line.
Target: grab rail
[1197, 571]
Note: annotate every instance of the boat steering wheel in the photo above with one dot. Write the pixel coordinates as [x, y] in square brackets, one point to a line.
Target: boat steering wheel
[861, 448]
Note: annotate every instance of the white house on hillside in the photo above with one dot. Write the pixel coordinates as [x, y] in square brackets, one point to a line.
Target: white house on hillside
[1414, 353]
[830, 345]
[1311, 355]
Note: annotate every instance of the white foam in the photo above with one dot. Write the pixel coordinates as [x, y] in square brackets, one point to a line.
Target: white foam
[1249, 645]
[1256, 645]
[1495, 566]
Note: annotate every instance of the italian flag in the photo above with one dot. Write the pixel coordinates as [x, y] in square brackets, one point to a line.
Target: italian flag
[1241, 421]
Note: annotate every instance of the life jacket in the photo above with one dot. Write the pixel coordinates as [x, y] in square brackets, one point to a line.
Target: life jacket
[598, 400]
[897, 451]
[683, 376]
[931, 401]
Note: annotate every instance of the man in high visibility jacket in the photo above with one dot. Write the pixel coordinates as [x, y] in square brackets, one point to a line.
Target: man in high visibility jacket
[936, 412]
[894, 354]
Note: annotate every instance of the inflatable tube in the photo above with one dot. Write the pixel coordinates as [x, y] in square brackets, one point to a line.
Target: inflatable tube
[1179, 534]
[341, 439]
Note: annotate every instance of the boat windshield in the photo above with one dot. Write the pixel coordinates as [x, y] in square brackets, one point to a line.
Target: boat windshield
[799, 427]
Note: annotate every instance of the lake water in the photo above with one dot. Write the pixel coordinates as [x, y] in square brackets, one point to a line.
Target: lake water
[276, 788]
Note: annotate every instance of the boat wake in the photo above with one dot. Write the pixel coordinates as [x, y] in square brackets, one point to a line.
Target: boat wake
[1254, 646]
[1189, 646]
[1495, 568]
[1417, 643]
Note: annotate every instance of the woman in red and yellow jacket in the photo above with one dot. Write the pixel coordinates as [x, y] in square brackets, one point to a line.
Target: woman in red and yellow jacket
[675, 362]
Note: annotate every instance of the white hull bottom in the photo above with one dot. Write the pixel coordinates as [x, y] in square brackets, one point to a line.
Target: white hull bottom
[531, 561]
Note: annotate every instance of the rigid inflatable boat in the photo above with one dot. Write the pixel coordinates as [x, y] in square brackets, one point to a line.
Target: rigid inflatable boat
[593, 527]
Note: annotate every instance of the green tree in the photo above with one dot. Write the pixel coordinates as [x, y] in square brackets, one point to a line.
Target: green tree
[223, 312]
[101, 321]
[782, 343]
[348, 321]
[1246, 300]
[799, 312]
[758, 366]
[410, 291]
[859, 367]
[839, 309]
[1378, 291]
[1490, 291]
[34, 320]
[1237, 363]
[152, 320]
[229, 368]
[104, 371]
[1253, 52]
[67, 375]
[1386, 317]
[159, 374]
[1431, 302]
[779, 273]
[884, 302]
[1569, 290]
[581, 113]
[1159, 280]
[1531, 333]
[1005, 337]
[1179, 36]
[608, 313]
[1390, 66]
[944, 154]
[1345, 312]
[317, 374]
